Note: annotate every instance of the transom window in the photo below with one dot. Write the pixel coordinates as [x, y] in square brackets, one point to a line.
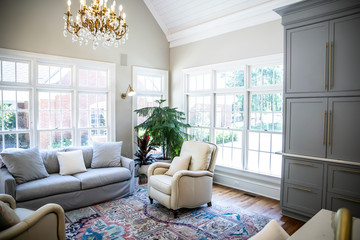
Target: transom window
[59, 108]
[238, 106]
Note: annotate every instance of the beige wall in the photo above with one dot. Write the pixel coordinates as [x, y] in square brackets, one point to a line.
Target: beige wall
[37, 26]
[261, 40]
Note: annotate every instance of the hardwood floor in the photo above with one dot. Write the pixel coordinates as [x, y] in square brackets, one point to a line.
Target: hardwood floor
[255, 203]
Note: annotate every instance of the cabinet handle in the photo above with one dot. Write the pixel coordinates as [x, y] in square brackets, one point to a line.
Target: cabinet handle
[326, 47]
[301, 188]
[349, 170]
[330, 63]
[347, 199]
[324, 127]
[329, 121]
[306, 164]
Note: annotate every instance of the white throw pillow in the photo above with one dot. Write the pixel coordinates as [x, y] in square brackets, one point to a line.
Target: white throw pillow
[71, 162]
[177, 164]
[106, 154]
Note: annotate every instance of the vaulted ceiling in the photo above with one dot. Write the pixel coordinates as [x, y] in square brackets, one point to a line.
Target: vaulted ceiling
[185, 21]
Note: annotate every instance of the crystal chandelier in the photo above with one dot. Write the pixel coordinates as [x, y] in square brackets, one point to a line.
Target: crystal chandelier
[97, 23]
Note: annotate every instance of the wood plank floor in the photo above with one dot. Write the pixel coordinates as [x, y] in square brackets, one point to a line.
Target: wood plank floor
[258, 204]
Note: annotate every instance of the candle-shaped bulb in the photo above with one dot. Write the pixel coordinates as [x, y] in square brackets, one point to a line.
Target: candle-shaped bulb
[105, 3]
[124, 17]
[69, 4]
[113, 6]
[120, 9]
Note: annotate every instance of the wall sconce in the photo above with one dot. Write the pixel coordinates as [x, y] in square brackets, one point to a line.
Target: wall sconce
[129, 92]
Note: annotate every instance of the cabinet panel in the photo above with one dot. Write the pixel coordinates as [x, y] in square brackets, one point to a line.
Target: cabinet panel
[304, 173]
[306, 58]
[307, 200]
[344, 180]
[345, 35]
[306, 126]
[344, 131]
[335, 201]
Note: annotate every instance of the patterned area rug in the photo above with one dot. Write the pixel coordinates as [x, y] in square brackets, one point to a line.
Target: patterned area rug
[134, 217]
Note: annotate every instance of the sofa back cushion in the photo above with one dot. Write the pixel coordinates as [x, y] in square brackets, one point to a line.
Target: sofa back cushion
[87, 154]
[50, 160]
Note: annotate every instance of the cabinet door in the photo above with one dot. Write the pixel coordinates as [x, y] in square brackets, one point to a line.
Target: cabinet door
[344, 131]
[306, 58]
[345, 55]
[305, 126]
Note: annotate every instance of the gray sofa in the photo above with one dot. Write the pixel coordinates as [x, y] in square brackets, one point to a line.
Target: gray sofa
[71, 191]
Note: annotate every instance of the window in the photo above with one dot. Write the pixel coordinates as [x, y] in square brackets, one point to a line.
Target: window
[238, 106]
[150, 85]
[67, 104]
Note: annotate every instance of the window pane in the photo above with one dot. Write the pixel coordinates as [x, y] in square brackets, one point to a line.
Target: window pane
[54, 75]
[199, 81]
[10, 140]
[199, 114]
[8, 69]
[253, 160]
[24, 140]
[276, 143]
[264, 162]
[253, 141]
[230, 79]
[22, 72]
[23, 119]
[266, 75]
[23, 100]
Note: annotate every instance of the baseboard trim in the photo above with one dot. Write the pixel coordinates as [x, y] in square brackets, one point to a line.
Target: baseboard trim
[249, 182]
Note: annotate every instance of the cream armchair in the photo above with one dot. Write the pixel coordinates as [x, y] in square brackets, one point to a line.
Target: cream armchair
[186, 188]
[48, 222]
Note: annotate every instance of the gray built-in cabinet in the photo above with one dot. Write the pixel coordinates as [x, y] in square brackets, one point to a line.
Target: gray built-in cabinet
[321, 151]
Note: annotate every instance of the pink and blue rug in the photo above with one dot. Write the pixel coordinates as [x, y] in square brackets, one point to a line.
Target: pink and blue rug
[134, 218]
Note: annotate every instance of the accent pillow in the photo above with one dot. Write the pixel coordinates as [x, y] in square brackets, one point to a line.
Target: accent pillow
[8, 150]
[177, 164]
[8, 216]
[25, 165]
[71, 162]
[106, 154]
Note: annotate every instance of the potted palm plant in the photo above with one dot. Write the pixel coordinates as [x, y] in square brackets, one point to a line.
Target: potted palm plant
[143, 156]
[166, 127]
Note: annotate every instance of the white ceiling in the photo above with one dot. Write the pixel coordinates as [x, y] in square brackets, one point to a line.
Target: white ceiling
[185, 21]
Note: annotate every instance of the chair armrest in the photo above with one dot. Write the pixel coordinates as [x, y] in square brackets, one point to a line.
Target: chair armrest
[34, 219]
[7, 182]
[182, 173]
[6, 198]
[128, 163]
[158, 166]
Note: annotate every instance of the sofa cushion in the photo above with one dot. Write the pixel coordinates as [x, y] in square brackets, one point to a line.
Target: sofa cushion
[50, 160]
[161, 183]
[200, 155]
[102, 176]
[25, 165]
[54, 184]
[106, 154]
[71, 162]
[87, 154]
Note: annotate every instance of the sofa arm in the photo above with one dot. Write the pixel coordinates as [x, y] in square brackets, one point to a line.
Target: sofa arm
[6, 198]
[7, 182]
[39, 225]
[158, 168]
[128, 163]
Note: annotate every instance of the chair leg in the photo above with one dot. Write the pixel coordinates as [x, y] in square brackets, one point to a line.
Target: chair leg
[176, 212]
[209, 204]
[151, 200]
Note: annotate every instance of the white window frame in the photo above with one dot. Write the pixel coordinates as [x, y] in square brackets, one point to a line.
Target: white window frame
[34, 87]
[136, 71]
[246, 91]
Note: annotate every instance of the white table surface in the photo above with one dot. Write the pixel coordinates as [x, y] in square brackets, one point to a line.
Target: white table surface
[322, 227]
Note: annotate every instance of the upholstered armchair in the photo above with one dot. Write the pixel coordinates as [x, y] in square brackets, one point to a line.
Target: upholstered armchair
[48, 222]
[189, 188]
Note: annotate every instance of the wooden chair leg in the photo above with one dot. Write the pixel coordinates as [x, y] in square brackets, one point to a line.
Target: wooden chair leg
[209, 204]
[151, 200]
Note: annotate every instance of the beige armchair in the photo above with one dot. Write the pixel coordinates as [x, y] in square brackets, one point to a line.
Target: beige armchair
[48, 222]
[186, 188]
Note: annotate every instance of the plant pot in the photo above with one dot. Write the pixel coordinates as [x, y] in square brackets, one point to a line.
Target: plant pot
[143, 170]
